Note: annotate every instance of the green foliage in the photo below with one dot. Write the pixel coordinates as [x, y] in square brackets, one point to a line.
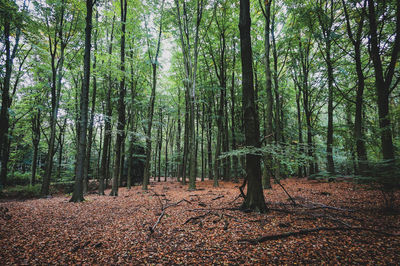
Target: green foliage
[20, 179]
[288, 156]
[19, 191]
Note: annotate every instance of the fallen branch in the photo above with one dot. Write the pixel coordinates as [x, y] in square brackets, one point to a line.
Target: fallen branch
[219, 197]
[196, 217]
[323, 206]
[313, 230]
[163, 208]
[279, 183]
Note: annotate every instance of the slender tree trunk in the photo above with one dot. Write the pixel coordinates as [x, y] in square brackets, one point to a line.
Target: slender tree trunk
[55, 98]
[278, 126]
[209, 144]
[35, 142]
[105, 158]
[202, 142]
[167, 135]
[146, 177]
[159, 144]
[77, 195]
[154, 62]
[61, 138]
[121, 108]
[269, 132]
[300, 130]
[178, 139]
[362, 159]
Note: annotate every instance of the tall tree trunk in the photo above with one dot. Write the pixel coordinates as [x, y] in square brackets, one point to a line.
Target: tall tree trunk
[167, 138]
[77, 195]
[269, 132]
[383, 79]
[255, 198]
[57, 69]
[61, 138]
[178, 139]
[362, 159]
[235, 161]
[146, 176]
[326, 20]
[35, 143]
[91, 121]
[154, 62]
[278, 126]
[300, 130]
[105, 158]
[121, 108]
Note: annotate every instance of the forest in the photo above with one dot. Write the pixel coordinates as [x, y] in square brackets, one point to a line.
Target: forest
[200, 131]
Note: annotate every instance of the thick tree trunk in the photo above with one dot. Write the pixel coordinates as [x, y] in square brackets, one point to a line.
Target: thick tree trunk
[91, 121]
[383, 79]
[255, 198]
[5, 99]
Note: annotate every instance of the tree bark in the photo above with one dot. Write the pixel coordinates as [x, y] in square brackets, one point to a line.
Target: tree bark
[91, 121]
[57, 69]
[362, 158]
[121, 108]
[255, 198]
[383, 79]
[77, 195]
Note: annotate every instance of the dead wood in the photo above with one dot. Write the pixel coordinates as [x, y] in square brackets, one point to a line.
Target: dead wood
[219, 197]
[323, 206]
[313, 230]
[191, 219]
[163, 208]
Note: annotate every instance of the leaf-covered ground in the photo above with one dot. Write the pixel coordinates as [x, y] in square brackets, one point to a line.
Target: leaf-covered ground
[202, 226]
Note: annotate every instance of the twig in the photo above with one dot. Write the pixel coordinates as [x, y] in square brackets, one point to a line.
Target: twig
[279, 183]
[197, 217]
[219, 197]
[240, 195]
[163, 208]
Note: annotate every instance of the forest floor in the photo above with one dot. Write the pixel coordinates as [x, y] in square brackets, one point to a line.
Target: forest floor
[203, 227]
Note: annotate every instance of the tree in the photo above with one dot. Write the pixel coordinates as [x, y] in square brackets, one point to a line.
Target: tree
[121, 107]
[384, 78]
[58, 36]
[77, 195]
[154, 64]
[10, 17]
[254, 198]
[356, 40]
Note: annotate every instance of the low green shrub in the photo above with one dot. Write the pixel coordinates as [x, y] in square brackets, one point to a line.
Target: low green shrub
[19, 191]
[18, 178]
